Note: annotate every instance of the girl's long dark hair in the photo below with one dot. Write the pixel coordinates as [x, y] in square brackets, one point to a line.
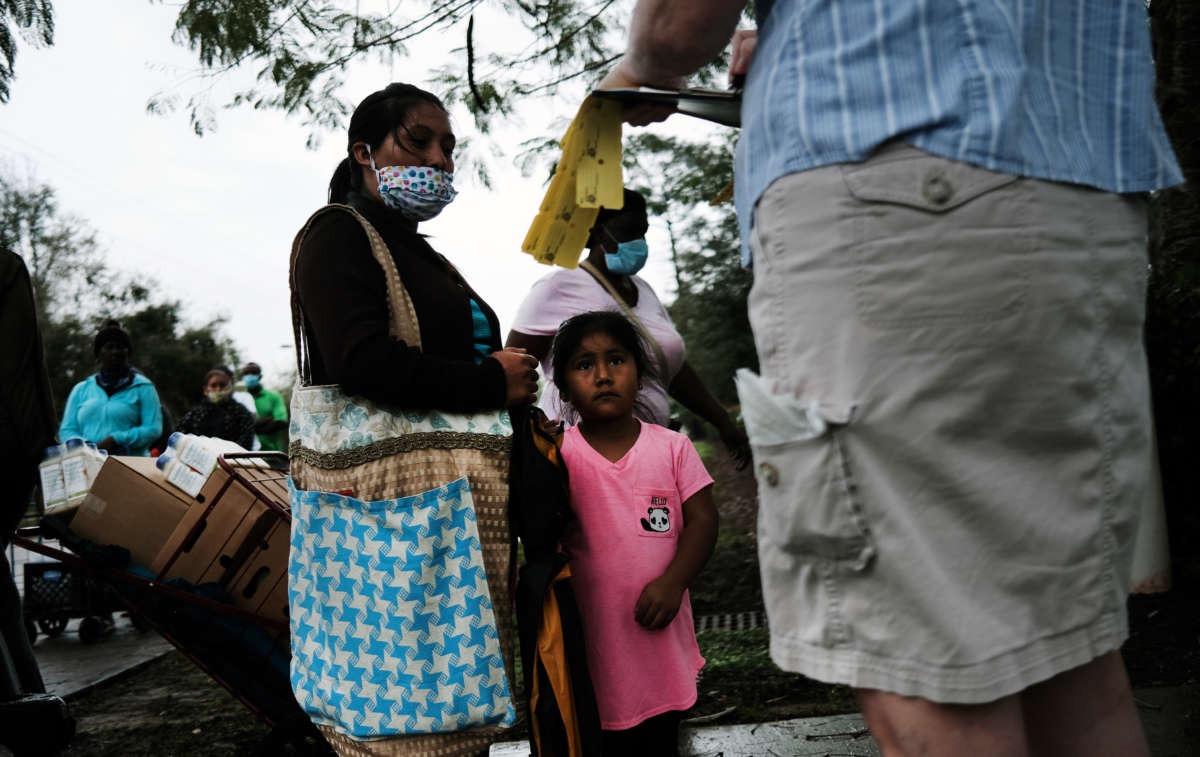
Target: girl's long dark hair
[575, 329]
[378, 115]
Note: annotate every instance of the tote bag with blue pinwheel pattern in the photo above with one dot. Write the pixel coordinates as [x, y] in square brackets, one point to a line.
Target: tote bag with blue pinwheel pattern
[392, 623]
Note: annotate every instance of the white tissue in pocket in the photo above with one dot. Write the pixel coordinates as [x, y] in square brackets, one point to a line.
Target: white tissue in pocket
[778, 418]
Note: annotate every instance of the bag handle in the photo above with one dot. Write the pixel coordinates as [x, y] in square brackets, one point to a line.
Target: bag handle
[402, 316]
[659, 355]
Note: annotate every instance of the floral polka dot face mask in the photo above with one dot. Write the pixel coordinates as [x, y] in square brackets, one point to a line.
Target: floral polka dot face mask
[419, 192]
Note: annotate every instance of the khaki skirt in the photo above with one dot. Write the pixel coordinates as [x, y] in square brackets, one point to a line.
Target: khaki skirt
[952, 432]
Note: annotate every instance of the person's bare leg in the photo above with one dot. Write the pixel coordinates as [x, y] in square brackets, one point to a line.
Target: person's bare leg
[1088, 710]
[909, 726]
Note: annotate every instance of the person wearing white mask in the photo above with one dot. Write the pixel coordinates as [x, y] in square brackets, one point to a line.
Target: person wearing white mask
[218, 414]
[397, 173]
[350, 263]
[607, 280]
[243, 397]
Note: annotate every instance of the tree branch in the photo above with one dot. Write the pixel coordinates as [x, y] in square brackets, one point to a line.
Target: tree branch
[586, 69]
[479, 102]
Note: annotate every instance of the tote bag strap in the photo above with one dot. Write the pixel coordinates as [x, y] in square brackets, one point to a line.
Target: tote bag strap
[403, 324]
[659, 355]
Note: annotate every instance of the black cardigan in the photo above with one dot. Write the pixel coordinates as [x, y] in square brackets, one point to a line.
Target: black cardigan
[343, 295]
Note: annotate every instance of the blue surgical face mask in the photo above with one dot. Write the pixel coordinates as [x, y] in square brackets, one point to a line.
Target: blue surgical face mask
[251, 380]
[629, 258]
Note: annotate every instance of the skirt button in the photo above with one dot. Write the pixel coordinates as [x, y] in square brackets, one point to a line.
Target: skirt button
[936, 189]
[769, 474]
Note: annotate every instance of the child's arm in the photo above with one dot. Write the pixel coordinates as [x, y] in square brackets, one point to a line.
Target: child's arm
[659, 601]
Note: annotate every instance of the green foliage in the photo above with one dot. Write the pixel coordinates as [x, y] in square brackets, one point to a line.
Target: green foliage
[173, 355]
[710, 304]
[705, 449]
[301, 51]
[744, 650]
[77, 293]
[33, 20]
[60, 251]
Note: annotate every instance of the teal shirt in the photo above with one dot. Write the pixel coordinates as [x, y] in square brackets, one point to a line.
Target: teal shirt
[132, 416]
[482, 333]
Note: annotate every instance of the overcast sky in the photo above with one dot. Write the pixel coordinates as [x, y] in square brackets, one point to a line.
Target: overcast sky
[212, 218]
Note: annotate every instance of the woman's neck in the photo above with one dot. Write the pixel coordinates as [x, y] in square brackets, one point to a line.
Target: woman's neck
[623, 284]
[114, 373]
[611, 438]
[372, 207]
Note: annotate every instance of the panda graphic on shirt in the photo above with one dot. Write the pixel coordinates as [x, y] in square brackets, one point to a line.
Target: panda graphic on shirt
[658, 516]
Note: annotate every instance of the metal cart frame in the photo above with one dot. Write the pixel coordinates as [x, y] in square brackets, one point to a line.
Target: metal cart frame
[151, 601]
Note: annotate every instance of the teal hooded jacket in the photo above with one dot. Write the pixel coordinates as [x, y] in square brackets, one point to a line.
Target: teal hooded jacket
[132, 416]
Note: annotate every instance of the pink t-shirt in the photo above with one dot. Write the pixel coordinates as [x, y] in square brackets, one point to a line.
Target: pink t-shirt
[555, 298]
[629, 517]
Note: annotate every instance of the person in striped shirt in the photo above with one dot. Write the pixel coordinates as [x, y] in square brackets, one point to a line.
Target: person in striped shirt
[943, 202]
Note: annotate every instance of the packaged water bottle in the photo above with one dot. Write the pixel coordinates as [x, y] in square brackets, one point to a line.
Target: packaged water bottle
[97, 457]
[192, 452]
[180, 476]
[54, 490]
[75, 461]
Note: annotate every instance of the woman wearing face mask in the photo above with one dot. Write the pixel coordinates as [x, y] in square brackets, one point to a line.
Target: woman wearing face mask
[117, 407]
[399, 172]
[219, 415]
[368, 375]
[617, 251]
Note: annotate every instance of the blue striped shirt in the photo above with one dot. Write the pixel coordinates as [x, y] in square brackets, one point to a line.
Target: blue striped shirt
[1051, 89]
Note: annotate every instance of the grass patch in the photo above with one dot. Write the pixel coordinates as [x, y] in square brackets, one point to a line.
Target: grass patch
[739, 673]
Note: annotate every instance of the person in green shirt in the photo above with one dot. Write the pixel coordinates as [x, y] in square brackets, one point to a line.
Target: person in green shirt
[272, 424]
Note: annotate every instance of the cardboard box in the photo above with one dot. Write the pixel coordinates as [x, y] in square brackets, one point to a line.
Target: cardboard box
[205, 555]
[265, 567]
[132, 505]
[212, 553]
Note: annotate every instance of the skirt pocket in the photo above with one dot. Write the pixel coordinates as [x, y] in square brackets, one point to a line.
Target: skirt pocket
[808, 503]
[935, 249]
[393, 628]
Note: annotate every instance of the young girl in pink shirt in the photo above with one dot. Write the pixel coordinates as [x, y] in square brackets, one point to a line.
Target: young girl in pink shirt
[645, 526]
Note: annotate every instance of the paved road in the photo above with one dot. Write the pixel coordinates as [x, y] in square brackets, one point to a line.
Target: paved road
[70, 667]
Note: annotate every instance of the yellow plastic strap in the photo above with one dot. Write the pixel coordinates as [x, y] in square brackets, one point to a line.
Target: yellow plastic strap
[587, 178]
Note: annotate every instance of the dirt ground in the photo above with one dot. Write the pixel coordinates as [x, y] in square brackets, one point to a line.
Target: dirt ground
[170, 707]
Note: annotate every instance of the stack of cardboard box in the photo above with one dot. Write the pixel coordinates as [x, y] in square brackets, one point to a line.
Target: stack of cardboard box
[229, 533]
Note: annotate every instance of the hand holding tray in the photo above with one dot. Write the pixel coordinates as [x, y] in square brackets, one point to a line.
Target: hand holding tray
[720, 106]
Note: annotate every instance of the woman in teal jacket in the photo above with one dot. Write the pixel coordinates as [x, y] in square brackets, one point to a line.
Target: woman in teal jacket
[116, 407]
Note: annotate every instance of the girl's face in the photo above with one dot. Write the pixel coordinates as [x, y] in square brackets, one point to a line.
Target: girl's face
[602, 379]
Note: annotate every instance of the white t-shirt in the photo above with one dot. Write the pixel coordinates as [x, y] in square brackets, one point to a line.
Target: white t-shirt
[246, 400]
[562, 294]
